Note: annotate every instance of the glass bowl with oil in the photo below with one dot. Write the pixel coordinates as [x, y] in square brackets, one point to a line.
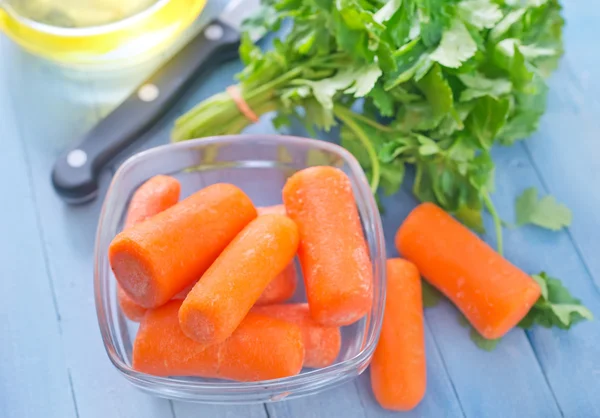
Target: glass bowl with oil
[113, 33]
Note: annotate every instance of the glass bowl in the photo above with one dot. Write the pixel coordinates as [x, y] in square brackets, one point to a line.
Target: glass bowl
[259, 165]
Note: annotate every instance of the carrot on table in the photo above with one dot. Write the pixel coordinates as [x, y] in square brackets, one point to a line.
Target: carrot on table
[281, 288]
[398, 371]
[321, 343]
[333, 252]
[234, 282]
[156, 259]
[152, 197]
[261, 348]
[491, 292]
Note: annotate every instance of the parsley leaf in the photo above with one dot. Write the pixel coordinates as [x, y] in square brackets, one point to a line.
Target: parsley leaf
[478, 86]
[555, 307]
[479, 13]
[479, 340]
[456, 46]
[545, 212]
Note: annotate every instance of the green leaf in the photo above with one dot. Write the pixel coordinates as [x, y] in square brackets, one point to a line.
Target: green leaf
[556, 307]
[437, 91]
[478, 86]
[482, 342]
[545, 212]
[411, 58]
[486, 119]
[324, 90]
[382, 100]
[427, 146]
[364, 80]
[431, 296]
[315, 157]
[456, 46]
[479, 340]
[433, 18]
[471, 218]
[479, 13]
[508, 56]
[387, 11]
[392, 175]
[505, 24]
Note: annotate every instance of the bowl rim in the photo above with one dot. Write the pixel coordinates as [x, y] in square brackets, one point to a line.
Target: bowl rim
[307, 378]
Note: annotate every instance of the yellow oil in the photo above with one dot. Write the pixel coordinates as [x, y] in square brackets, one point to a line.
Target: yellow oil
[80, 32]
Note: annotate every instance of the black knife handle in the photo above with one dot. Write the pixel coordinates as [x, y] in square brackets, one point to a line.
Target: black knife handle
[75, 173]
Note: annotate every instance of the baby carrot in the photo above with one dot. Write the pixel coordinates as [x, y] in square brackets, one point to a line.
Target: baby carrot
[398, 372]
[321, 343]
[156, 259]
[152, 197]
[234, 282]
[281, 288]
[130, 309]
[492, 293]
[261, 348]
[333, 252]
[270, 210]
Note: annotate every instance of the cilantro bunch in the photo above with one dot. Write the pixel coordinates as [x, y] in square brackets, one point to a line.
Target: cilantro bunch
[432, 84]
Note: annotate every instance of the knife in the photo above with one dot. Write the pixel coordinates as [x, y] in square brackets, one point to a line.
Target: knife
[75, 174]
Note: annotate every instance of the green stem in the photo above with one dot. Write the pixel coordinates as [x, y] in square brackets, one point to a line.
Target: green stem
[497, 222]
[373, 124]
[346, 116]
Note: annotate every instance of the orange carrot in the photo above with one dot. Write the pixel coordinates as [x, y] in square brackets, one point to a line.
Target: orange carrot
[492, 293]
[281, 288]
[398, 372]
[226, 292]
[152, 197]
[333, 252]
[322, 343]
[270, 210]
[130, 309]
[156, 259]
[261, 348]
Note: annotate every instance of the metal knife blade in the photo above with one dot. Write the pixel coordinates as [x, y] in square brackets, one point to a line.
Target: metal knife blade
[76, 172]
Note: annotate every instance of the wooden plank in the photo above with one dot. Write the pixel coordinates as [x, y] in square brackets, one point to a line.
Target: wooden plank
[32, 350]
[60, 112]
[565, 357]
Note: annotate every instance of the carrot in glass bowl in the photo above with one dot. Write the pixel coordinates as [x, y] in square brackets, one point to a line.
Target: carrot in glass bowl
[332, 251]
[234, 282]
[261, 348]
[156, 259]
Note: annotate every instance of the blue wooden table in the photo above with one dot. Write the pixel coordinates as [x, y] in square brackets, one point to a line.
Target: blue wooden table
[53, 364]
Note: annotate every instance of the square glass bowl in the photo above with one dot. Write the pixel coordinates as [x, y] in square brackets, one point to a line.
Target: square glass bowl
[259, 165]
